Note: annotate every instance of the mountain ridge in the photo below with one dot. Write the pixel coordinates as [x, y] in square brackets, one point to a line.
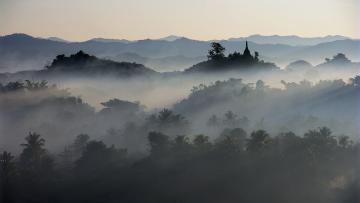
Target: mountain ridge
[293, 40]
[24, 52]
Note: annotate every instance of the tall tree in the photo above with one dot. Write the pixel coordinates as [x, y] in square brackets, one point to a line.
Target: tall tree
[216, 52]
[34, 158]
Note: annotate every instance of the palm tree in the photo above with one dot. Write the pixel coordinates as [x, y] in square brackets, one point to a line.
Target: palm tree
[34, 140]
[34, 143]
[33, 150]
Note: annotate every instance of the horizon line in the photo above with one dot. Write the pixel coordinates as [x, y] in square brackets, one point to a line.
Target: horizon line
[180, 37]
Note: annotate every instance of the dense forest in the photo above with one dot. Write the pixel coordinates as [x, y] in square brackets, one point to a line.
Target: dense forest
[63, 150]
[231, 140]
[171, 101]
[84, 64]
[235, 167]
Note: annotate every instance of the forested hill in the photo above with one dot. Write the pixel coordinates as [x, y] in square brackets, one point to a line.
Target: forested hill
[87, 64]
[236, 63]
[83, 65]
[19, 52]
[218, 62]
[335, 100]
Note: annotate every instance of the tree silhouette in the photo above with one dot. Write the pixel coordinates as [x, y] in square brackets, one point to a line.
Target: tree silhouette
[105, 173]
[36, 169]
[320, 143]
[98, 158]
[159, 143]
[217, 61]
[338, 59]
[216, 52]
[168, 122]
[80, 143]
[230, 119]
[256, 56]
[33, 151]
[258, 141]
[31, 85]
[231, 141]
[344, 142]
[12, 86]
[34, 160]
[202, 143]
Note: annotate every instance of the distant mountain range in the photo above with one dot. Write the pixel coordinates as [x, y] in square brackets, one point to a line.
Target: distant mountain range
[56, 39]
[292, 40]
[110, 40]
[171, 38]
[24, 52]
[83, 65]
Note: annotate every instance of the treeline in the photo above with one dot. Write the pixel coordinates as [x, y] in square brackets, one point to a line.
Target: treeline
[59, 116]
[27, 85]
[326, 103]
[218, 62]
[234, 167]
[88, 65]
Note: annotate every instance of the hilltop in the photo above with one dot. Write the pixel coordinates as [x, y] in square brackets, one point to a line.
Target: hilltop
[82, 64]
[20, 52]
[217, 61]
[87, 64]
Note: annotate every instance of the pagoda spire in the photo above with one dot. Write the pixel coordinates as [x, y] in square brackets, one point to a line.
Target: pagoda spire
[247, 51]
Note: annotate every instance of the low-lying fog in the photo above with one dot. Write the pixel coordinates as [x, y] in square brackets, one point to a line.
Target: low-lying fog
[165, 92]
[277, 110]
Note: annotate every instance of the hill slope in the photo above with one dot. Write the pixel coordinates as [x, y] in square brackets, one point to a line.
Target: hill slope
[23, 52]
[84, 65]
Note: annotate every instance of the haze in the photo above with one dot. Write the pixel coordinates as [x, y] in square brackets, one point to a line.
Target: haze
[140, 19]
[226, 101]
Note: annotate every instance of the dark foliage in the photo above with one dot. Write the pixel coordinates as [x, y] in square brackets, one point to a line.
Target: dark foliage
[217, 61]
[233, 168]
[238, 165]
[86, 64]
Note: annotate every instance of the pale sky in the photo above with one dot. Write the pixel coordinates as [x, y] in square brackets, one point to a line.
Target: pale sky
[197, 19]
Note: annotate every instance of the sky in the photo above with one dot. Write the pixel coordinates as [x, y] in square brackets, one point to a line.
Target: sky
[79, 20]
